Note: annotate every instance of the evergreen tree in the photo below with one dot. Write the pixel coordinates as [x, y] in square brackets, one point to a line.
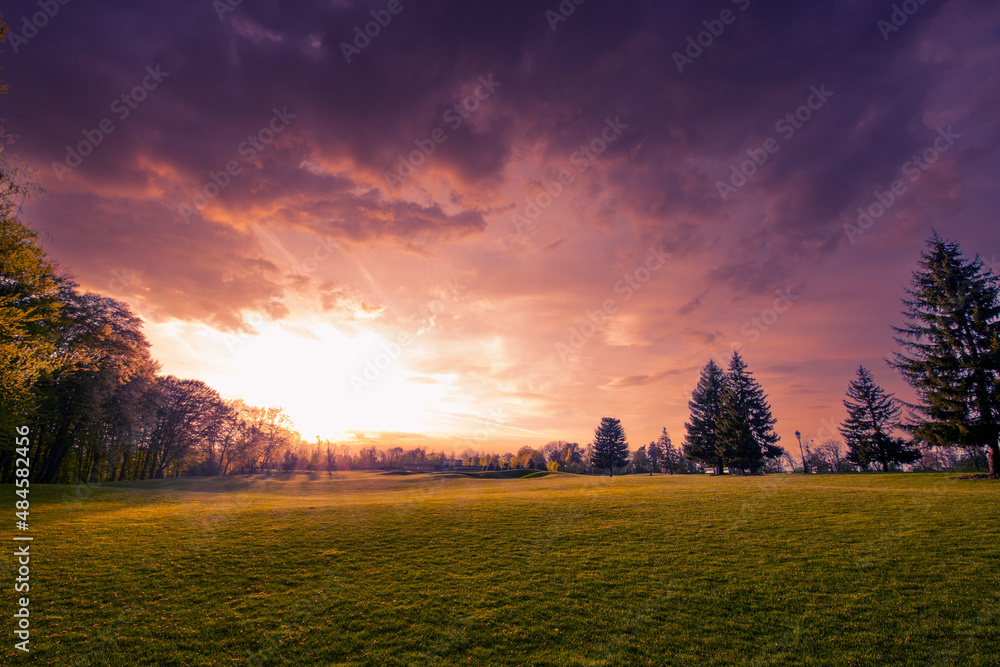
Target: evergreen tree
[702, 442]
[655, 453]
[673, 460]
[610, 446]
[871, 416]
[951, 350]
[745, 426]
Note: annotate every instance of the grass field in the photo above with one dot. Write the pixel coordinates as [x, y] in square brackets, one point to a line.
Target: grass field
[444, 569]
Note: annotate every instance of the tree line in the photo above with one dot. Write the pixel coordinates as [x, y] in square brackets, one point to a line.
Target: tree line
[76, 368]
[731, 427]
[949, 352]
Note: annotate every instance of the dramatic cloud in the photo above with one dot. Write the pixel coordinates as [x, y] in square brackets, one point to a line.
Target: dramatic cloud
[488, 183]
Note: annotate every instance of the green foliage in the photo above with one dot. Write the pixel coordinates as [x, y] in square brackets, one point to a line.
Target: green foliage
[745, 427]
[31, 309]
[76, 368]
[951, 349]
[871, 417]
[566, 456]
[654, 451]
[640, 460]
[671, 458]
[529, 457]
[610, 448]
[702, 441]
[731, 422]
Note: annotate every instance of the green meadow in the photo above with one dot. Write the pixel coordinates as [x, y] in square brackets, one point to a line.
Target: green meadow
[368, 568]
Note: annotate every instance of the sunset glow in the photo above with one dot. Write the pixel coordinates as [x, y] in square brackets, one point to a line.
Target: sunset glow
[499, 239]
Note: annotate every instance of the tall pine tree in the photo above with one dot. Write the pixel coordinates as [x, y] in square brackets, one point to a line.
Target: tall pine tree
[950, 349]
[610, 446]
[872, 415]
[745, 426]
[702, 441]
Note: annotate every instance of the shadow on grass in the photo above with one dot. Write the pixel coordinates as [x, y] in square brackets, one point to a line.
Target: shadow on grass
[500, 474]
[483, 474]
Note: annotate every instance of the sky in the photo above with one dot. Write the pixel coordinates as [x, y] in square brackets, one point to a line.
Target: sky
[457, 223]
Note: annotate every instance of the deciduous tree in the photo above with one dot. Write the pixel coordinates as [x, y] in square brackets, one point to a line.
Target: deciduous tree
[640, 460]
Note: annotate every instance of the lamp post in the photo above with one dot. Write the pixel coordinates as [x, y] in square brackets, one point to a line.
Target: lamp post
[805, 466]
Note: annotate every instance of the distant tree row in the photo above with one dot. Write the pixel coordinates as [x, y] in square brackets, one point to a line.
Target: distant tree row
[555, 456]
[610, 451]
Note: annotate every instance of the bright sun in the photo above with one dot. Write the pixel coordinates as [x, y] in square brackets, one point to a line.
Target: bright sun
[313, 370]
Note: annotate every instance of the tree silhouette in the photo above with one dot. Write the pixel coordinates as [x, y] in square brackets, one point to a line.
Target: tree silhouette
[702, 441]
[871, 416]
[951, 350]
[746, 427]
[655, 454]
[610, 446]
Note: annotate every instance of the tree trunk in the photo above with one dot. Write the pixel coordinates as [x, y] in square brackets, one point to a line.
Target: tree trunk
[994, 457]
[94, 477]
[54, 461]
